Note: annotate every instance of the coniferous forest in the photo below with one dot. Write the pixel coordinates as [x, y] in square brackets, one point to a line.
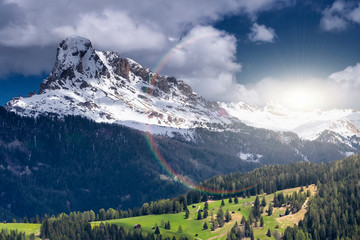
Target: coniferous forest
[332, 213]
[50, 165]
[37, 164]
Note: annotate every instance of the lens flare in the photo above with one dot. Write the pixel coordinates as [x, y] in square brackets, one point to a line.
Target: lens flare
[152, 143]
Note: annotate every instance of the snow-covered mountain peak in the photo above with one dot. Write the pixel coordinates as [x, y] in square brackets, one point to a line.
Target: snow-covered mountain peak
[71, 52]
[72, 46]
[105, 87]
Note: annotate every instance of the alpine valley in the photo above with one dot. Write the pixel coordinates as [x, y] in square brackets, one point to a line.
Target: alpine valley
[80, 142]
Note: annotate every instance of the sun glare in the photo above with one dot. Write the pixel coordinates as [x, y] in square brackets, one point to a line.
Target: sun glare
[305, 97]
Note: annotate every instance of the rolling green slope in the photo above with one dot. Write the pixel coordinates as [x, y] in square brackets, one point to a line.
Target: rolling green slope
[28, 228]
[192, 226]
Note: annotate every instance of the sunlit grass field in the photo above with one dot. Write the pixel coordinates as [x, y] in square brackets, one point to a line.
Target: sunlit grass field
[193, 228]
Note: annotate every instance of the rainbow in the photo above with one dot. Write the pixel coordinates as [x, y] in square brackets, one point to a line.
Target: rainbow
[160, 159]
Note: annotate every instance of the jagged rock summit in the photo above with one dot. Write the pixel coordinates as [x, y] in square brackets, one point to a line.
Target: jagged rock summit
[105, 87]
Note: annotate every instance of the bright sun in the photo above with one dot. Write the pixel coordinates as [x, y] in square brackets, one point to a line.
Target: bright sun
[302, 97]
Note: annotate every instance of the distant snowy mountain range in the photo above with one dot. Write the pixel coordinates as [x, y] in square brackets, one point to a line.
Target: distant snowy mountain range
[104, 87]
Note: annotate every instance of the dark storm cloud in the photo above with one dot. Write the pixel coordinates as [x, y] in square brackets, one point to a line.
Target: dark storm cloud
[8, 13]
[26, 60]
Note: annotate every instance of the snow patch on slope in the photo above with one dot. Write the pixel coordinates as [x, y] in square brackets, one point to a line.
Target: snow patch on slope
[249, 157]
[307, 124]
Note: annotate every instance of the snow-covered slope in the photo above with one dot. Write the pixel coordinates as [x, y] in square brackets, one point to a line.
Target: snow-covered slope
[107, 88]
[307, 124]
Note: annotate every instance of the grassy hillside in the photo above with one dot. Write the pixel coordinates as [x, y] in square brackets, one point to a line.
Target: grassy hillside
[191, 226]
[28, 228]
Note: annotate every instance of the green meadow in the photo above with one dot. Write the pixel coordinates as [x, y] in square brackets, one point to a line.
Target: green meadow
[28, 228]
[192, 227]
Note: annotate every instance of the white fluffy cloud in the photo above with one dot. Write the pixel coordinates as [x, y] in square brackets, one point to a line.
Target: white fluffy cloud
[348, 78]
[340, 15]
[340, 90]
[261, 33]
[115, 30]
[347, 85]
[205, 58]
[138, 29]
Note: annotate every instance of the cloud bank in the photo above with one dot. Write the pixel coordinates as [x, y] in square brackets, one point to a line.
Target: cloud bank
[339, 90]
[147, 31]
[340, 15]
[30, 31]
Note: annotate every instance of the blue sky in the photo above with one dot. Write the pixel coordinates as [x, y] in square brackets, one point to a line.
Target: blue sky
[252, 50]
[301, 46]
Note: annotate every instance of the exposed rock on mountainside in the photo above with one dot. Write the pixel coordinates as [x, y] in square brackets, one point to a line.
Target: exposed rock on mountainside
[105, 87]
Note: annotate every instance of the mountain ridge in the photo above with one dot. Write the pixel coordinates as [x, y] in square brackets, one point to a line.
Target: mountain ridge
[104, 87]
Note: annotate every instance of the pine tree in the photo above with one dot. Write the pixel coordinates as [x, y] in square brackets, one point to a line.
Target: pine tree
[37, 219]
[204, 198]
[206, 206]
[268, 233]
[276, 200]
[180, 229]
[243, 220]
[263, 202]
[261, 221]
[247, 229]
[227, 216]
[167, 225]
[206, 214]
[102, 215]
[236, 200]
[205, 226]
[157, 230]
[199, 215]
[213, 226]
[230, 200]
[270, 210]
[222, 202]
[212, 220]
[256, 209]
[220, 217]
[187, 213]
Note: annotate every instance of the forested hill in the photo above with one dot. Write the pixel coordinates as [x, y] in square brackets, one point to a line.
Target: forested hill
[333, 213]
[272, 178]
[74, 164]
[50, 165]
